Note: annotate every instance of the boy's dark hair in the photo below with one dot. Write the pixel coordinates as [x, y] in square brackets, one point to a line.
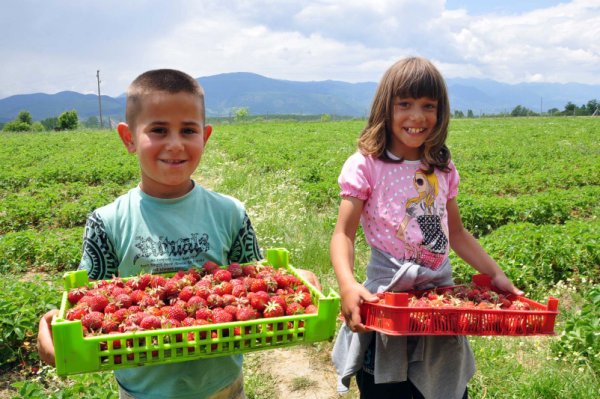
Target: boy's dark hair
[169, 80]
[410, 77]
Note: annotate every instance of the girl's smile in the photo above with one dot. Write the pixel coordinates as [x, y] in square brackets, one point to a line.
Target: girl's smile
[413, 120]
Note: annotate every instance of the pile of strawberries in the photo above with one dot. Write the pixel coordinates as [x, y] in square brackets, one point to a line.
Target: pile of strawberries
[192, 297]
[467, 296]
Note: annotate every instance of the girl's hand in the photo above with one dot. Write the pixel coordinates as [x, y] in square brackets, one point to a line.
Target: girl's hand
[44, 340]
[310, 277]
[503, 283]
[352, 297]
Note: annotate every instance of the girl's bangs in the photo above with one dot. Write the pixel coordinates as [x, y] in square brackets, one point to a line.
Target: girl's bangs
[424, 85]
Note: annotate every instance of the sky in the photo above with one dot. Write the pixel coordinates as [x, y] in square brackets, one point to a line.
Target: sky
[52, 46]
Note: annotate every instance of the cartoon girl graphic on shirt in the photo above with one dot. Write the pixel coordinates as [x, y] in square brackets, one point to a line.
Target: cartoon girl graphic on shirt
[424, 210]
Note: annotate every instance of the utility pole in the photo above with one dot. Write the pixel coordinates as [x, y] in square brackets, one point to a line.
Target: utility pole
[541, 105]
[99, 97]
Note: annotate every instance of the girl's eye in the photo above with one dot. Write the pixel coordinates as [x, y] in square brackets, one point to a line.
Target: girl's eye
[403, 104]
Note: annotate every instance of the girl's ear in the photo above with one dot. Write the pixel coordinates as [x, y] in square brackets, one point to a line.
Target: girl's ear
[126, 137]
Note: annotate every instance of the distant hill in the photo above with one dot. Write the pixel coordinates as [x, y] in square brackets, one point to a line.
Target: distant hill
[266, 96]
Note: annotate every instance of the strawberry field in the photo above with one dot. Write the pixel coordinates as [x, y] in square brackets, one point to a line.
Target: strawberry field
[530, 190]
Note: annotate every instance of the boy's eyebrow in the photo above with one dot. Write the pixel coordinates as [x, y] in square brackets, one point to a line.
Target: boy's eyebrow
[185, 123]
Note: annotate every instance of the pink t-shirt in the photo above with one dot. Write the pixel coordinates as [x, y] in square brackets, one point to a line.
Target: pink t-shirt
[404, 213]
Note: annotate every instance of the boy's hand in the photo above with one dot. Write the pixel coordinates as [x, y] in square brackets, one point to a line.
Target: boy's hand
[310, 277]
[352, 297]
[44, 341]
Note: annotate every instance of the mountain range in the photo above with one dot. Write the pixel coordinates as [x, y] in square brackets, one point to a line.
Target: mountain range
[266, 96]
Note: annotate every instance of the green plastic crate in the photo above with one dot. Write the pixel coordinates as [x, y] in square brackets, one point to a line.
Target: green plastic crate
[78, 354]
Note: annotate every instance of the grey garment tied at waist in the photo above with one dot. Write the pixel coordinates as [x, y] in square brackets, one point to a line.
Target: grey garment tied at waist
[439, 366]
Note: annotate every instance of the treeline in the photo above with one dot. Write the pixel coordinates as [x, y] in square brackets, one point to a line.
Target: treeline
[68, 120]
[592, 107]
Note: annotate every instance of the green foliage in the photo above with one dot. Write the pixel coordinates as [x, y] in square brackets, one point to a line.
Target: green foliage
[51, 250]
[520, 110]
[87, 386]
[68, 120]
[580, 342]
[241, 113]
[536, 257]
[25, 117]
[16, 126]
[19, 314]
[50, 123]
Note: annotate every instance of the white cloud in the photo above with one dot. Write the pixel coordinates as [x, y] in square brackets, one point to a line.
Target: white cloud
[350, 40]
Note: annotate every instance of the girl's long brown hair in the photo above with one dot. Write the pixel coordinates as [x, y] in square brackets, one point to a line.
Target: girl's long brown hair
[413, 77]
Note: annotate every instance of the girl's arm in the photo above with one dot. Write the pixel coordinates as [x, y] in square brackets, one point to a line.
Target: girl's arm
[469, 249]
[342, 257]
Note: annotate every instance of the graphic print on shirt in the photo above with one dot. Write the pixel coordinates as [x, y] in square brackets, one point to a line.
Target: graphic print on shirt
[424, 210]
[165, 255]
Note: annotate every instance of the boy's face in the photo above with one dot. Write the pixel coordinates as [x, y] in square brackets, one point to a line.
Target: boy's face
[169, 138]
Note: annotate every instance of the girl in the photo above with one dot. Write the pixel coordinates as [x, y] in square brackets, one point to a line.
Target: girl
[401, 186]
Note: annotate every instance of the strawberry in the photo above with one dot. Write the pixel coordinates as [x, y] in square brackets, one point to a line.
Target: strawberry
[97, 302]
[75, 294]
[258, 285]
[273, 309]
[245, 313]
[93, 320]
[235, 269]
[77, 312]
[221, 316]
[203, 314]
[249, 270]
[210, 267]
[258, 300]
[222, 275]
[303, 298]
[177, 313]
[310, 309]
[294, 308]
[123, 301]
[223, 288]
[238, 290]
[196, 302]
[150, 323]
[186, 293]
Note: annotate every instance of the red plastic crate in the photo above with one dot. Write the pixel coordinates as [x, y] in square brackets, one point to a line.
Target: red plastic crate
[393, 316]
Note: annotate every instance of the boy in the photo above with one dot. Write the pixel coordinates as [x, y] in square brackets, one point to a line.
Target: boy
[165, 224]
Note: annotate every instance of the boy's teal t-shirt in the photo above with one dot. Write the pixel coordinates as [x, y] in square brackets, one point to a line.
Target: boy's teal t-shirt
[142, 234]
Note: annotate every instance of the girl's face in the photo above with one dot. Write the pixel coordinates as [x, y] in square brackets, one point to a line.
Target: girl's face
[413, 120]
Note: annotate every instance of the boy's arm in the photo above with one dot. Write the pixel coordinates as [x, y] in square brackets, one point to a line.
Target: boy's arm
[469, 249]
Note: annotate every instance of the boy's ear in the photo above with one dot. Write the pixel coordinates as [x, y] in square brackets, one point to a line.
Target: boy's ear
[126, 137]
[207, 132]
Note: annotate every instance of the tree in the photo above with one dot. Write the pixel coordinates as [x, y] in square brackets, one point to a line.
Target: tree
[50, 123]
[92, 122]
[470, 113]
[591, 106]
[16, 126]
[459, 114]
[25, 117]
[68, 120]
[326, 118]
[553, 111]
[241, 113]
[520, 110]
